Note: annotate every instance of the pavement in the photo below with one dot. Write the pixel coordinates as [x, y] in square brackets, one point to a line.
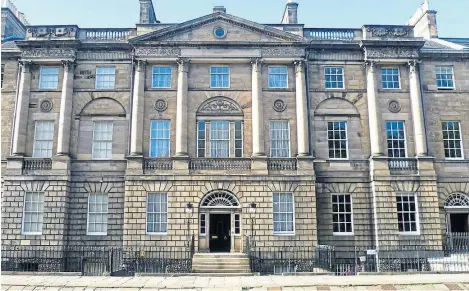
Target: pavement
[247, 283]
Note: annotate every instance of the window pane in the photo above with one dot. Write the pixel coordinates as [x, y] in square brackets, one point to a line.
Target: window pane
[283, 214]
[334, 77]
[157, 213]
[406, 212]
[342, 213]
[279, 139]
[219, 77]
[97, 213]
[445, 77]
[337, 139]
[452, 139]
[161, 77]
[33, 209]
[43, 139]
[102, 139]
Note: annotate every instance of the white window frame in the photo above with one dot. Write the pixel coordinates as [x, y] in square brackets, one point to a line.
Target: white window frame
[452, 77]
[346, 140]
[168, 139]
[390, 82]
[105, 74]
[461, 143]
[37, 141]
[41, 75]
[276, 74]
[146, 215]
[417, 218]
[340, 213]
[206, 215]
[229, 75]
[284, 233]
[405, 138]
[343, 77]
[88, 232]
[41, 213]
[111, 140]
[271, 139]
[210, 138]
[153, 85]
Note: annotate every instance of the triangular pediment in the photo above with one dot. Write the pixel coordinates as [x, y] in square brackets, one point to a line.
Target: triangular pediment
[203, 30]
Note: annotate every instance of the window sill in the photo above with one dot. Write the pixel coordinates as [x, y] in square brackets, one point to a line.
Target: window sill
[157, 233]
[31, 233]
[446, 89]
[343, 234]
[96, 233]
[454, 159]
[409, 233]
[284, 234]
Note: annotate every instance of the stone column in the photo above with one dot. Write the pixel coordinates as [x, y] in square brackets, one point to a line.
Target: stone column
[181, 107]
[417, 111]
[65, 117]
[258, 145]
[136, 137]
[22, 108]
[301, 109]
[373, 110]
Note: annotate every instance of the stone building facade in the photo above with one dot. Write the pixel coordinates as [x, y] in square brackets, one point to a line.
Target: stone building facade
[342, 137]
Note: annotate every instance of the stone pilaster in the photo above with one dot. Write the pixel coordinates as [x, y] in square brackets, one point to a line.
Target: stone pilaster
[65, 116]
[373, 110]
[301, 109]
[136, 137]
[258, 144]
[417, 112]
[181, 105]
[22, 110]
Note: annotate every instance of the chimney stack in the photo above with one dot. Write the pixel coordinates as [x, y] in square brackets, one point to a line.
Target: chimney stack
[221, 9]
[424, 22]
[290, 16]
[147, 12]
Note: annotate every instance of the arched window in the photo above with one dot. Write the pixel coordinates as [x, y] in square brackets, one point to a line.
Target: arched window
[457, 200]
[220, 199]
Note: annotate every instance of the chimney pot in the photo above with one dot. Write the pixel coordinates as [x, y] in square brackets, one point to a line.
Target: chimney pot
[290, 16]
[221, 9]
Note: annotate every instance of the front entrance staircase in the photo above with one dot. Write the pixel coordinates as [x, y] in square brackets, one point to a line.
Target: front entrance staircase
[221, 263]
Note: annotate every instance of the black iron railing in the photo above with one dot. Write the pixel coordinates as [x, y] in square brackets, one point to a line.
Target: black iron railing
[97, 261]
[272, 260]
[401, 259]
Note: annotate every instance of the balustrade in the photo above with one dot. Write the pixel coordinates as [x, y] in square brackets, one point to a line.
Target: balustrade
[330, 34]
[403, 166]
[220, 164]
[278, 164]
[37, 164]
[157, 164]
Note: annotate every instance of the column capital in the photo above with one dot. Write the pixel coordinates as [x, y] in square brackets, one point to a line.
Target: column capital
[257, 64]
[370, 64]
[141, 64]
[412, 64]
[299, 66]
[26, 66]
[183, 64]
[68, 65]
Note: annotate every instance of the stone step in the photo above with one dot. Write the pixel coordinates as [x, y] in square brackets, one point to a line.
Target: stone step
[224, 271]
[208, 267]
[217, 263]
[220, 255]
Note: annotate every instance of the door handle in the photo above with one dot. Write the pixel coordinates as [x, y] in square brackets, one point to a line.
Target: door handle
[225, 238]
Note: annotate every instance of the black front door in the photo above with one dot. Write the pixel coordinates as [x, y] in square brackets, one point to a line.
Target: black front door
[220, 226]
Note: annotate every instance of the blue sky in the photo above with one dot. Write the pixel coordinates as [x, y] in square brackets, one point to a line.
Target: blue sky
[453, 20]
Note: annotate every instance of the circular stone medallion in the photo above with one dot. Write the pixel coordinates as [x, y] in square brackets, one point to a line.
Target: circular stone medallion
[46, 105]
[394, 106]
[161, 105]
[279, 105]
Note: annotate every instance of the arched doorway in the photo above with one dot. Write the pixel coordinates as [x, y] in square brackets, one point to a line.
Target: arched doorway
[457, 219]
[220, 222]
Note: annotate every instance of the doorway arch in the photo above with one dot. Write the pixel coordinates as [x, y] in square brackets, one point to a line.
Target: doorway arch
[220, 222]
